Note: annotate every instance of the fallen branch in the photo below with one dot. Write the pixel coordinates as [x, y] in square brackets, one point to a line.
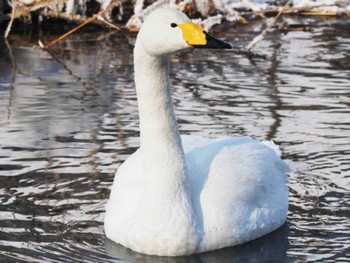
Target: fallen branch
[297, 11]
[317, 13]
[103, 20]
[55, 9]
[98, 15]
[8, 29]
[67, 34]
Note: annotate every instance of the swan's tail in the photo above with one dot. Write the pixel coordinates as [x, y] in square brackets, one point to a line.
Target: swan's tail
[274, 147]
[291, 166]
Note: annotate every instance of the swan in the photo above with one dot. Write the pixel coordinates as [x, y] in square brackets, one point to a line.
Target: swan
[181, 195]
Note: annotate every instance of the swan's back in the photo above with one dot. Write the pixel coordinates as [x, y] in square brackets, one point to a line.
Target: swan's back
[240, 190]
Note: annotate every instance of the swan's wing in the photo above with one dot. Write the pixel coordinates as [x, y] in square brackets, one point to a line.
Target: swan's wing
[190, 142]
[239, 190]
[273, 146]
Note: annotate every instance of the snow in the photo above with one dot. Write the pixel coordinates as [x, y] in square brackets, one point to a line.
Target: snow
[229, 9]
[212, 11]
[27, 2]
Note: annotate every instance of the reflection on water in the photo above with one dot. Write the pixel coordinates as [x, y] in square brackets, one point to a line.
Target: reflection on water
[68, 119]
[271, 248]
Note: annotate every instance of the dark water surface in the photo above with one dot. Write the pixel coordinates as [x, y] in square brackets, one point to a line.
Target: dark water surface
[68, 121]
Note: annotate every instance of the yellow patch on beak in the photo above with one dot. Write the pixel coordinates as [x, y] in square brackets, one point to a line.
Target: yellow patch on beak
[193, 34]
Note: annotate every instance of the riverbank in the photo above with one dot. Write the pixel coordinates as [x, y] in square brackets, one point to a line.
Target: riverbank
[118, 14]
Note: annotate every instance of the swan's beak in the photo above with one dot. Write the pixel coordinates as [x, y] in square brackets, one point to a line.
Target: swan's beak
[196, 37]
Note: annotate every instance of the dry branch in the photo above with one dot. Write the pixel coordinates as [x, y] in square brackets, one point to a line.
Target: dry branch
[68, 33]
[99, 15]
[8, 29]
[298, 11]
[55, 9]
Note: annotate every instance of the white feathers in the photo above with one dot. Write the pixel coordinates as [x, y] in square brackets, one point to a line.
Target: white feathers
[183, 195]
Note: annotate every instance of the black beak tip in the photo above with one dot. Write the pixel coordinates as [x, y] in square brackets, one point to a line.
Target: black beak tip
[227, 46]
[215, 43]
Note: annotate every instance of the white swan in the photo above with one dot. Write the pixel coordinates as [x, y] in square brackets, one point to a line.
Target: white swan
[183, 195]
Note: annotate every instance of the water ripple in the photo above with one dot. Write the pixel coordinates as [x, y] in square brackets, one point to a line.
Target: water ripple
[68, 124]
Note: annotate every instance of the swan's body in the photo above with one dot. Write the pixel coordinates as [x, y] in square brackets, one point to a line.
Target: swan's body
[183, 195]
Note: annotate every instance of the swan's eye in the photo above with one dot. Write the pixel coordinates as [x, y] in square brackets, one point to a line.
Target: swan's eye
[173, 25]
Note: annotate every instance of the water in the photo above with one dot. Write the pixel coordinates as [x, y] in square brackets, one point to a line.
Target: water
[68, 120]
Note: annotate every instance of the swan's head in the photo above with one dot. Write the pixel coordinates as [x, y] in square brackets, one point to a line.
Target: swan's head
[167, 30]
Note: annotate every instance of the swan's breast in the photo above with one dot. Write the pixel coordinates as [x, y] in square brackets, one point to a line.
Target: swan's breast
[125, 198]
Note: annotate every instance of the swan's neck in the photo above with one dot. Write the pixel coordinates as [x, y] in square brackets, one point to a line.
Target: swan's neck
[166, 206]
[159, 134]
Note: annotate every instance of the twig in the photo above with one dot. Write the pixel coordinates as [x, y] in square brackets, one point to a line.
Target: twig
[316, 13]
[98, 15]
[67, 34]
[8, 29]
[261, 36]
[103, 20]
[290, 10]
